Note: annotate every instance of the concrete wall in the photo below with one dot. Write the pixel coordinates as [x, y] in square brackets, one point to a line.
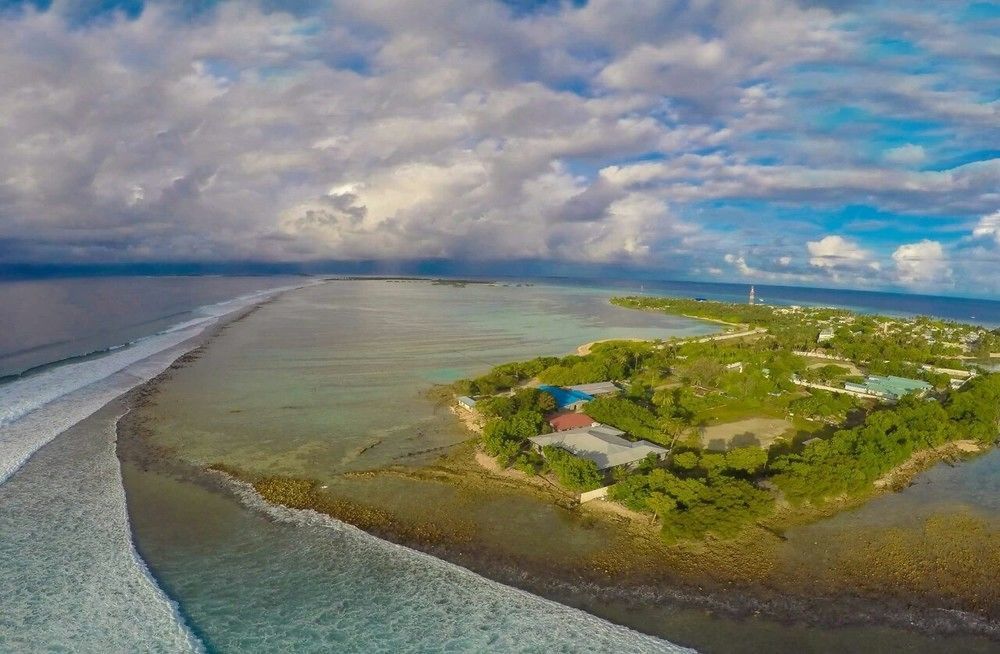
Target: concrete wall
[596, 494]
[834, 389]
[821, 355]
[964, 374]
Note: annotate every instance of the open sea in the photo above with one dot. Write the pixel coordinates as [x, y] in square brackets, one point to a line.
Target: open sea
[327, 378]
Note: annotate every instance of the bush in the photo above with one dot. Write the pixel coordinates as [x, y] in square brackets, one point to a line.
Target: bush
[691, 507]
[529, 462]
[627, 415]
[746, 460]
[823, 404]
[614, 360]
[852, 459]
[504, 377]
[571, 471]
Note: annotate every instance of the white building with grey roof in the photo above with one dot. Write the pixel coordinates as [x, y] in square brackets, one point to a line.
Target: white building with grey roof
[601, 444]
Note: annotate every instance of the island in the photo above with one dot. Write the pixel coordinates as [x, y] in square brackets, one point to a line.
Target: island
[790, 412]
[682, 472]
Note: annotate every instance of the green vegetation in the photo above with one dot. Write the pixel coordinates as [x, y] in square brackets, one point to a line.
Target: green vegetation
[573, 472]
[826, 374]
[503, 377]
[986, 343]
[861, 338]
[715, 493]
[852, 459]
[740, 314]
[676, 388]
[691, 502]
[615, 360]
[628, 415]
[530, 462]
[824, 405]
[512, 420]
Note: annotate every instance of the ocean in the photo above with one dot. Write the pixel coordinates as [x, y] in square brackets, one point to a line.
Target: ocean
[326, 379]
[68, 566]
[80, 581]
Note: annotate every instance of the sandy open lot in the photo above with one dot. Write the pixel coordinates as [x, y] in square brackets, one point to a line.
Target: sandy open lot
[752, 431]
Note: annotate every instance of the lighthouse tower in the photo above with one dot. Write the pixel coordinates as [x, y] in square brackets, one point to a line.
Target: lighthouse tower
[753, 295]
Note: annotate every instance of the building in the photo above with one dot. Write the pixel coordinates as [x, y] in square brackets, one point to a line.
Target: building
[601, 444]
[753, 296]
[825, 335]
[566, 398]
[736, 366]
[889, 387]
[597, 388]
[466, 403]
[569, 420]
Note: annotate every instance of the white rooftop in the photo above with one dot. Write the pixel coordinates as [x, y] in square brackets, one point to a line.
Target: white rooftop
[597, 388]
[601, 444]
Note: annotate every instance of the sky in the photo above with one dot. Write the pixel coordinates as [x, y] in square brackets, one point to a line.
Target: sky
[826, 143]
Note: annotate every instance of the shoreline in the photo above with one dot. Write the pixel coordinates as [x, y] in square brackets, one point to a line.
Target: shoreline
[565, 584]
[585, 349]
[587, 589]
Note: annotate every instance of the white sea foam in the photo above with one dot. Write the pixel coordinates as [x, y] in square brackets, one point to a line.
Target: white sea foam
[36, 408]
[72, 578]
[459, 602]
[71, 575]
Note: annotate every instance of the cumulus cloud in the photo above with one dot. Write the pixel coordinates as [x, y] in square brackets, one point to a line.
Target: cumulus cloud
[665, 135]
[921, 263]
[836, 253]
[988, 227]
[907, 155]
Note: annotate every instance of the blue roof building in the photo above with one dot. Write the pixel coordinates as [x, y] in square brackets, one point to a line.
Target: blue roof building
[567, 398]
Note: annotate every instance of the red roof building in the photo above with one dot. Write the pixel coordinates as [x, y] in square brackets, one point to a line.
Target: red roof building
[568, 420]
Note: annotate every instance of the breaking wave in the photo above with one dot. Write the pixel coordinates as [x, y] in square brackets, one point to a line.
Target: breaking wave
[70, 569]
[35, 408]
[469, 612]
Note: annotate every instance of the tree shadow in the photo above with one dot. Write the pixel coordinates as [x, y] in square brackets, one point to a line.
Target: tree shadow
[717, 444]
[746, 439]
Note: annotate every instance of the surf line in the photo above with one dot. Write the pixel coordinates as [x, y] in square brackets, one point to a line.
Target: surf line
[35, 409]
[172, 605]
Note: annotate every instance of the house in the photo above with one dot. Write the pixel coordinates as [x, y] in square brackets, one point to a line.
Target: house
[601, 444]
[566, 398]
[825, 335]
[466, 403]
[564, 420]
[889, 387]
[595, 389]
[735, 367]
